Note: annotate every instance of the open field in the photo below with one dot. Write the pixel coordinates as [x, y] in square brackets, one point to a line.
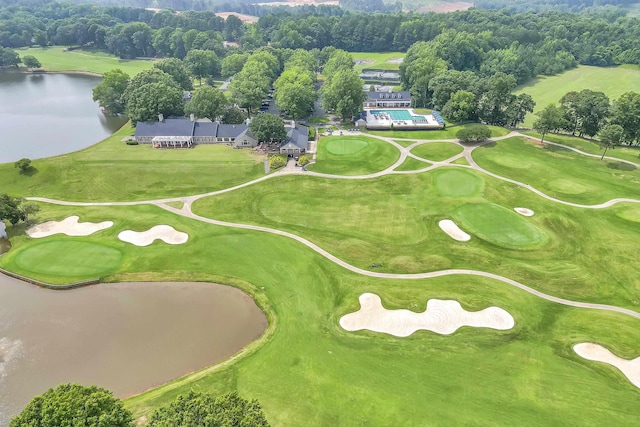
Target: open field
[590, 180]
[342, 155]
[57, 58]
[526, 375]
[613, 81]
[377, 61]
[112, 170]
[448, 133]
[437, 151]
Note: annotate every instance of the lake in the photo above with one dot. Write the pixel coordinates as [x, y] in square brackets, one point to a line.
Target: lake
[126, 337]
[43, 115]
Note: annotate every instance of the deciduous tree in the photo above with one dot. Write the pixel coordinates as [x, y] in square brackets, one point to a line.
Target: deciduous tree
[206, 102]
[74, 405]
[611, 135]
[176, 69]
[550, 119]
[475, 133]
[31, 61]
[343, 94]
[202, 63]
[295, 93]
[150, 100]
[267, 127]
[10, 209]
[460, 107]
[110, 92]
[23, 164]
[232, 64]
[626, 113]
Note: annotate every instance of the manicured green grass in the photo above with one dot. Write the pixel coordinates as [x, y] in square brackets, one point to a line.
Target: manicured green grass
[499, 225]
[404, 142]
[57, 58]
[113, 170]
[592, 146]
[457, 182]
[64, 257]
[613, 81]
[353, 155]
[448, 133]
[560, 172]
[377, 61]
[528, 375]
[437, 151]
[318, 120]
[411, 164]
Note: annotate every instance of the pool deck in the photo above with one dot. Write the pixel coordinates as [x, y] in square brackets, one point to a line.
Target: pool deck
[401, 118]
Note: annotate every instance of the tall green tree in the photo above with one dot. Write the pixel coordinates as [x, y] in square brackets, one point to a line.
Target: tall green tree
[494, 104]
[150, 100]
[232, 64]
[550, 119]
[202, 63]
[267, 127]
[206, 102]
[232, 115]
[250, 86]
[421, 64]
[520, 106]
[586, 111]
[176, 69]
[461, 107]
[339, 60]
[74, 405]
[145, 77]
[343, 94]
[31, 61]
[625, 112]
[611, 135]
[110, 92]
[200, 409]
[11, 210]
[295, 93]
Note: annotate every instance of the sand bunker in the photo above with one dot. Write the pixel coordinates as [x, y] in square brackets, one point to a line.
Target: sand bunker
[597, 353]
[453, 230]
[69, 226]
[166, 233]
[442, 317]
[524, 211]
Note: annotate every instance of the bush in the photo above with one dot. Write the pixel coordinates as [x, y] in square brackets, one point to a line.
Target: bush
[312, 133]
[475, 133]
[305, 159]
[277, 161]
[132, 142]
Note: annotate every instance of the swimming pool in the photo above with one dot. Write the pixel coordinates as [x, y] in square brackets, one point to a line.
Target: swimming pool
[398, 114]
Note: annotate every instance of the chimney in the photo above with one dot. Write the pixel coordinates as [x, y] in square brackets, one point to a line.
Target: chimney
[161, 117]
[192, 117]
[293, 124]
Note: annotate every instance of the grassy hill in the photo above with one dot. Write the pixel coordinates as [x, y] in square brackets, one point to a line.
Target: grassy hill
[613, 81]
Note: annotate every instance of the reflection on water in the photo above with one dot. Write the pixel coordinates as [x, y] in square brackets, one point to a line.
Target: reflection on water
[126, 337]
[47, 115]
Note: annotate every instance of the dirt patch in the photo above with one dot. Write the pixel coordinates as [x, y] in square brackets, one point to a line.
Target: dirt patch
[446, 7]
[441, 316]
[241, 16]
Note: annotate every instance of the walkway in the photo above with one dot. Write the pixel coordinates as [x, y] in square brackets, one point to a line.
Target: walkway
[186, 211]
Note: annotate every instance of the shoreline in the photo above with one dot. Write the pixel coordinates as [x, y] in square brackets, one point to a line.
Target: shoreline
[45, 71]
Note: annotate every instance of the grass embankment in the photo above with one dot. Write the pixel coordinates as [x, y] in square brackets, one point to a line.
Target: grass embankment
[57, 58]
[437, 151]
[114, 171]
[448, 133]
[528, 375]
[591, 146]
[393, 221]
[560, 172]
[613, 81]
[353, 155]
[377, 61]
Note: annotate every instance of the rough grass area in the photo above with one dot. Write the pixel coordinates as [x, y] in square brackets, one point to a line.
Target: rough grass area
[57, 58]
[353, 155]
[448, 133]
[613, 81]
[560, 172]
[437, 151]
[457, 182]
[377, 61]
[112, 171]
[592, 146]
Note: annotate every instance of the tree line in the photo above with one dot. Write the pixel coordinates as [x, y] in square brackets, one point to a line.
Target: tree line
[590, 113]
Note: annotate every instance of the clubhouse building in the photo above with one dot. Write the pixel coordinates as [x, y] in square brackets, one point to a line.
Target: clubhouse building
[185, 133]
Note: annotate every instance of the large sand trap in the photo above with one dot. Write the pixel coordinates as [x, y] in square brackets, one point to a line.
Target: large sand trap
[452, 229]
[442, 317]
[597, 353]
[69, 226]
[524, 211]
[166, 233]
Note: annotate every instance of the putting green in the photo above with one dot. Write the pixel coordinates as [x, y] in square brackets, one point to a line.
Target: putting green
[343, 146]
[69, 258]
[514, 161]
[457, 183]
[499, 225]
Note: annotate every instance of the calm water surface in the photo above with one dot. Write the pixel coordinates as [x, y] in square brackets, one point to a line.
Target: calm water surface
[47, 115]
[127, 337]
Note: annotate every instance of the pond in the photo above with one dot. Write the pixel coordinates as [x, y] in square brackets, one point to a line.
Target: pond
[126, 337]
[43, 115]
